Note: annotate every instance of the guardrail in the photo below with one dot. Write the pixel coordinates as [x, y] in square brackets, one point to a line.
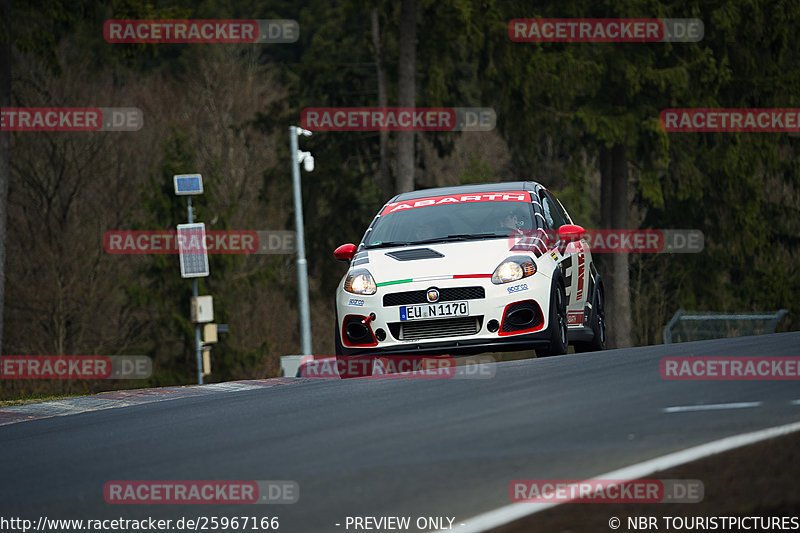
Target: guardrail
[690, 326]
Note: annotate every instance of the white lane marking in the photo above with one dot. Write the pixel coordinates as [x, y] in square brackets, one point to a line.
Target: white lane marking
[711, 407]
[795, 402]
[515, 511]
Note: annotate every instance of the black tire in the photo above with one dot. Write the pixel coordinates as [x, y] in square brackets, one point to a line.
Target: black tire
[598, 325]
[337, 341]
[557, 330]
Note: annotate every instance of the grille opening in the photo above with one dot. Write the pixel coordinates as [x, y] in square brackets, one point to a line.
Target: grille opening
[432, 329]
[448, 294]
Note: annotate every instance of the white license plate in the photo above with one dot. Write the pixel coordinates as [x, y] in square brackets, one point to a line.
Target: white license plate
[428, 311]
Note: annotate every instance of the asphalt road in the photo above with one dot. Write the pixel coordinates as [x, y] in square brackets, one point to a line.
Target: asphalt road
[418, 448]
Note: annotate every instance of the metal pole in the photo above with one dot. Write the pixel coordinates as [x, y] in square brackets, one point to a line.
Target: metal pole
[670, 325]
[197, 342]
[302, 272]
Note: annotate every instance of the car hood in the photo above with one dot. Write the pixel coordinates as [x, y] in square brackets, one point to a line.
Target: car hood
[433, 260]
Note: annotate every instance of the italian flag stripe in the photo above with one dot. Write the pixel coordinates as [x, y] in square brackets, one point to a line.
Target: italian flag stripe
[431, 278]
[396, 282]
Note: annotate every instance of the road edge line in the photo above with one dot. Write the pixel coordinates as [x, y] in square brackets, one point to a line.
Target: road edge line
[516, 511]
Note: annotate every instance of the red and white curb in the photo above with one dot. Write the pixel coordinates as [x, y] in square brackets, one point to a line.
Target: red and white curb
[112, 400]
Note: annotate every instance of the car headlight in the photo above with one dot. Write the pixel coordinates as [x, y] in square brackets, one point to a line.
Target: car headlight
[360, 281]
[513, 268]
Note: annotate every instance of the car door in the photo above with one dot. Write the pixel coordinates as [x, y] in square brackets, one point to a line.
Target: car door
[573, 259]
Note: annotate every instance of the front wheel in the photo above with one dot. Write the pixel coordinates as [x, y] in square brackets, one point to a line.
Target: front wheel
[558, 323]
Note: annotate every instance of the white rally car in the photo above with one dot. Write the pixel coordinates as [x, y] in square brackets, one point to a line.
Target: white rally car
[469, 269]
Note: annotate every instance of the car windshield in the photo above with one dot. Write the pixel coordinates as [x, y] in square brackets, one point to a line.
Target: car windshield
[449, 222]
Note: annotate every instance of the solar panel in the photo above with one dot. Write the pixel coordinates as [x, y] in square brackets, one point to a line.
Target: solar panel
[186, 184]
[192, 250]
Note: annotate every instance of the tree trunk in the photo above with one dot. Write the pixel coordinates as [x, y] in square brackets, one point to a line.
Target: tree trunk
[383, 178]
[605, 187]
[5, 101]
[617, 284]
[406, 90]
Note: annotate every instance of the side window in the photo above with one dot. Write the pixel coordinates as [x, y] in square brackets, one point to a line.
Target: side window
[561, 210]
[552, 213]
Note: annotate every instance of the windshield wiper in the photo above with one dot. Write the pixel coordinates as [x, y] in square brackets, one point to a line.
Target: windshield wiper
[459, 237]
[387, 244]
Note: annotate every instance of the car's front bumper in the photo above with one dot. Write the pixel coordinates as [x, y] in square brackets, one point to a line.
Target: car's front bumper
[511, 316]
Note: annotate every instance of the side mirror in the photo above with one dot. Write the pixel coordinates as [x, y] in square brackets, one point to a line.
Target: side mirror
[345, 252]
[571, 232]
